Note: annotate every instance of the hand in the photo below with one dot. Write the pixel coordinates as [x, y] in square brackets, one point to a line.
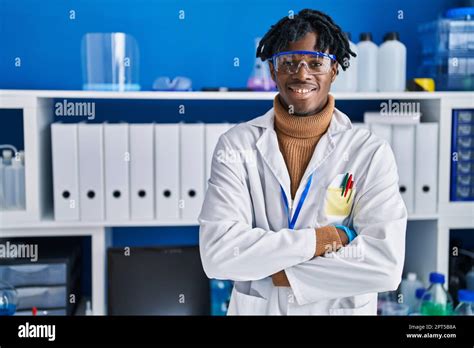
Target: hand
[329, 239]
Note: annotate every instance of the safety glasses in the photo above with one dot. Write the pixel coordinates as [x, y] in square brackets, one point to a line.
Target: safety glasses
[316, 63]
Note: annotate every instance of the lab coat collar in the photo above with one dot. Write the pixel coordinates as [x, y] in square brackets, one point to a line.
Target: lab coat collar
[339, 122]
[269, 149]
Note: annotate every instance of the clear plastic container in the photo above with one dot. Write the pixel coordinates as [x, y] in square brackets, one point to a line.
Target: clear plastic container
[448, 50]
[436, 300]
[110, 62]
[408, 290]
[454, 33]
[466, 303]
[394, 308]
[260, 79]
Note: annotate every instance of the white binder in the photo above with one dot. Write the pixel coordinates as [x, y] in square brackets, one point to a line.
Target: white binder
[91, 171]
[117, 166]
[403, 145]
[65, 171]
[167, 171]
[213, 132]
[382, 130]
[426, 168]
[142, 188]
[192, 170]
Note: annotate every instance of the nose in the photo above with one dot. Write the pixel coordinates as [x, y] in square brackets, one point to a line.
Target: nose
[302, 73]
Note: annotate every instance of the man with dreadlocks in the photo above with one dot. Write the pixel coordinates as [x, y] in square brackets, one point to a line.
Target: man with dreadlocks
[310, 220]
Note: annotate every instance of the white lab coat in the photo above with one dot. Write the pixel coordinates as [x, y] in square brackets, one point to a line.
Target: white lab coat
[243, 222]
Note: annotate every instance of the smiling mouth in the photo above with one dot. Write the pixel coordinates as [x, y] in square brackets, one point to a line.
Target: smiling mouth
[302, 91]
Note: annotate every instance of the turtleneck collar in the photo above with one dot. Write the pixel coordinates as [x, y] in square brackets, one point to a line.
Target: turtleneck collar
[303, 126]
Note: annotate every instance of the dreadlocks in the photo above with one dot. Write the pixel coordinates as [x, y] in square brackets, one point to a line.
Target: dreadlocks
[330, 36]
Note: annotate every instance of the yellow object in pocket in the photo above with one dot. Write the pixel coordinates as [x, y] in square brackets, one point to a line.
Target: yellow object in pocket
[337, 204]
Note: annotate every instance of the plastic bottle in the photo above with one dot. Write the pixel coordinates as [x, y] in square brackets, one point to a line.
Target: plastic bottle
[436, 300]
[392, 61]
[466, 303]
[260, 79]
[367, 64]
[418, 295]
[470, 279]
[19, 166]
[408, 290]
[8, 189]
[346, 81]
[7, 157]
[15, 183]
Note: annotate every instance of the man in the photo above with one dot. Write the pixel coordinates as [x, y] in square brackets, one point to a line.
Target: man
[343, 238]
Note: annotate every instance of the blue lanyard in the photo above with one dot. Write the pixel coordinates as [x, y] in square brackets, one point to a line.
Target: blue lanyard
[292, 222]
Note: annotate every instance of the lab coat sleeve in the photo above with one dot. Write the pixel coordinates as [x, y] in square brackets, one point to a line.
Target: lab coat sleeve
[230, 247]
[373, 261]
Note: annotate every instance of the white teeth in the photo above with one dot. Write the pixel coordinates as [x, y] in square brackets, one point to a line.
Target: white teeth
[302, 91]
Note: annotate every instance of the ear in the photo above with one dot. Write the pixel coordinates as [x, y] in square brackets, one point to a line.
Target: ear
[334, 71]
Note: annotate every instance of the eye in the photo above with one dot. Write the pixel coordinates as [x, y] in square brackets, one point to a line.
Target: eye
[315, 64]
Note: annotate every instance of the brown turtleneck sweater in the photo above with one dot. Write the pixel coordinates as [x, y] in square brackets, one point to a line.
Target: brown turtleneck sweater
[297, 139]
[298, 136]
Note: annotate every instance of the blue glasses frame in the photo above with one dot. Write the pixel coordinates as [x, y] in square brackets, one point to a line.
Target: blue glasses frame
[314, 53]
[320, 54]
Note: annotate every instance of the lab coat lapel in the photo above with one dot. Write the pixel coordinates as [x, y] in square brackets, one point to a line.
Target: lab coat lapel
[326, 145]
[267, 146]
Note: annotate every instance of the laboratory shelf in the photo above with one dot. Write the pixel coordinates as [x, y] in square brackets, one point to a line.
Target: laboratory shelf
[199, 95]
[49, 222]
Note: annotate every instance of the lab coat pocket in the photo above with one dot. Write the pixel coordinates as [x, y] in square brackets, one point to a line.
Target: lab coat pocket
[245, 304]
[368, 308]
[336, 203]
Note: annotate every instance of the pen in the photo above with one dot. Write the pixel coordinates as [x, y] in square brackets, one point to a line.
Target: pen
[350, 193]
[347, 185]
[344, 182]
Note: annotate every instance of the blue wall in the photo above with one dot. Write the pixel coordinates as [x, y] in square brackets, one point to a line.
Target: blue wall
[202, 46]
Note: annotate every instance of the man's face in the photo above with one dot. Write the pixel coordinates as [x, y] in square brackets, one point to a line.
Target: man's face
[307, 103]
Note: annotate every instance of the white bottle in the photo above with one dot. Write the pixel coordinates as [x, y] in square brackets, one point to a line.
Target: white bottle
[8, 181]
[7, 157]
[367, 64]
[392, 62]
[18, 166]
[408, 290]
[346, 81]
[14, 179]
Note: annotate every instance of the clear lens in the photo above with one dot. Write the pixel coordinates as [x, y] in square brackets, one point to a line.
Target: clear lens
[291, 63]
